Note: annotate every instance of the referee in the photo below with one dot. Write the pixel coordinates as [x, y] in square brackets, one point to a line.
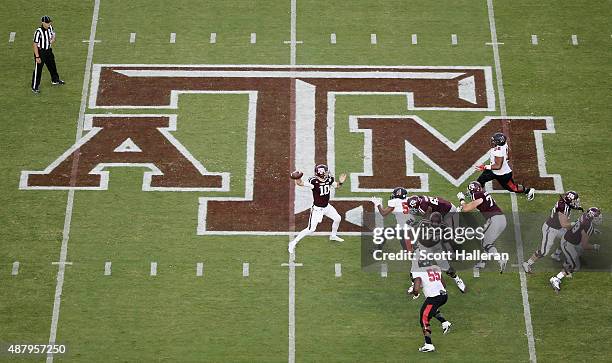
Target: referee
[44, 37]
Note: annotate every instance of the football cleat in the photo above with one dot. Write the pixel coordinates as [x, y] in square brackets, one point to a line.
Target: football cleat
[556, 256]
[531, 194]
[555, 282]
[35, 91]
[527, 268]
[335, 238]
[460, 284]
[446, 327]
[426, 348]
[480, 264]
[59, 82]
[502, 265]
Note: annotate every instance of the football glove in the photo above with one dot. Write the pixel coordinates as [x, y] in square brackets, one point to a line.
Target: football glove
[375, 201]
[481, 167]
[460, 196]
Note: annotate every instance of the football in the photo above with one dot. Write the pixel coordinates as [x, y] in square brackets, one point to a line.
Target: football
[296, 174]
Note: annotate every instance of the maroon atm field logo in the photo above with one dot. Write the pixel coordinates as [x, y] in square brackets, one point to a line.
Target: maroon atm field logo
[288, 105]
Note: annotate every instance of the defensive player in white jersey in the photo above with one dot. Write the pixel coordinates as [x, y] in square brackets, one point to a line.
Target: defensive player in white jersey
[499, 168]
[398, 205]
[428, 279]
[321, 185]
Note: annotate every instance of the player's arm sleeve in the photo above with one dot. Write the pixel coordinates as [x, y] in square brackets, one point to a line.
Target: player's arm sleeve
[307, 184]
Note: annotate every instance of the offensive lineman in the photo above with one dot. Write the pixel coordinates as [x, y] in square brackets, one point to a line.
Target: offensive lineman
[574, 242]
[428, 278]
[499, 169]
[424, 205]
[496, 220]
[555, 226]
[321, 185]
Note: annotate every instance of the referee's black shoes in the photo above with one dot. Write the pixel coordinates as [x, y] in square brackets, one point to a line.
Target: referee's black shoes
[59, 82]
[35, 91]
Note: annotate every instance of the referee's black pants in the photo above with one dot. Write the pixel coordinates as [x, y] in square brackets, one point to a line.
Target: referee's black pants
[46, 58]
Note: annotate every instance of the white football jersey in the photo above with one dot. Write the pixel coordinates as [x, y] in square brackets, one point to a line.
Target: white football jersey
[431, 280]
[400, 210]
[501, 151]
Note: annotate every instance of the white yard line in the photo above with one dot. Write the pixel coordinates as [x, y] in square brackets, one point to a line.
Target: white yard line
[415, 39]
[338, 270]
[291, 264]
[213, 38]
[107, 268]
[253, 38]
[332, 38]
[15, 270]
[454, 39]
[574, 39]
[12, 37]
[534, 39]
[70, 202]
[515, 215]
[200, 269]
[153, 271]
[373, 39]
[132, 37]
[172, 38]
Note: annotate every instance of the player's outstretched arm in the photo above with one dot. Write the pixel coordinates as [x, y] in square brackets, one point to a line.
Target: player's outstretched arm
[416, 289]
[341, 180]
[466, 207]
[383, 211]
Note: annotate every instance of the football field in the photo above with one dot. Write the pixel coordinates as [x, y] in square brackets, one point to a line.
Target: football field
[147, 204]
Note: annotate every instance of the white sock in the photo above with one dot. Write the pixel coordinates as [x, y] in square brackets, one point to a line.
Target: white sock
[561, 275]
[335, 226]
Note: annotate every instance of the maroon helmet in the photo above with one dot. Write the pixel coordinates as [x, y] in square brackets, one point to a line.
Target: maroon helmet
[321, 171]
[414, 202]
[436, 219]
[572, 199]
[594, 214]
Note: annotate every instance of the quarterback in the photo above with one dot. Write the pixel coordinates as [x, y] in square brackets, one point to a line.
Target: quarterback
[321, 185]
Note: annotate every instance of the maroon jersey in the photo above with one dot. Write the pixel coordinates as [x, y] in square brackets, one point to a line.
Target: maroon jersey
[560, 207]
[439, 205]
[321, 190]
[488, 207]
[574, 234]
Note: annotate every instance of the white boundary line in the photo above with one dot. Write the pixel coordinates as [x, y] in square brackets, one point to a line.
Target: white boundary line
[516, 220]
[291, 262]
[70, 201]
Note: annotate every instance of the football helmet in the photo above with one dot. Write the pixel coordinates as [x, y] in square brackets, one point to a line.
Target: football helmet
[474, 187]
[399, 193]
[572, 199]
[414, 203]
[498, 139]
[436, 219]
[321, 171]
[594, 214]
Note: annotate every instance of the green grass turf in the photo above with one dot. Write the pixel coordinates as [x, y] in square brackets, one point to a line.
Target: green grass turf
[222, 316]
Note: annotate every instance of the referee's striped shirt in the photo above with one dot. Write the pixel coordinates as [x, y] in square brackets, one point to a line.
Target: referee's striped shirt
[43, 36]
